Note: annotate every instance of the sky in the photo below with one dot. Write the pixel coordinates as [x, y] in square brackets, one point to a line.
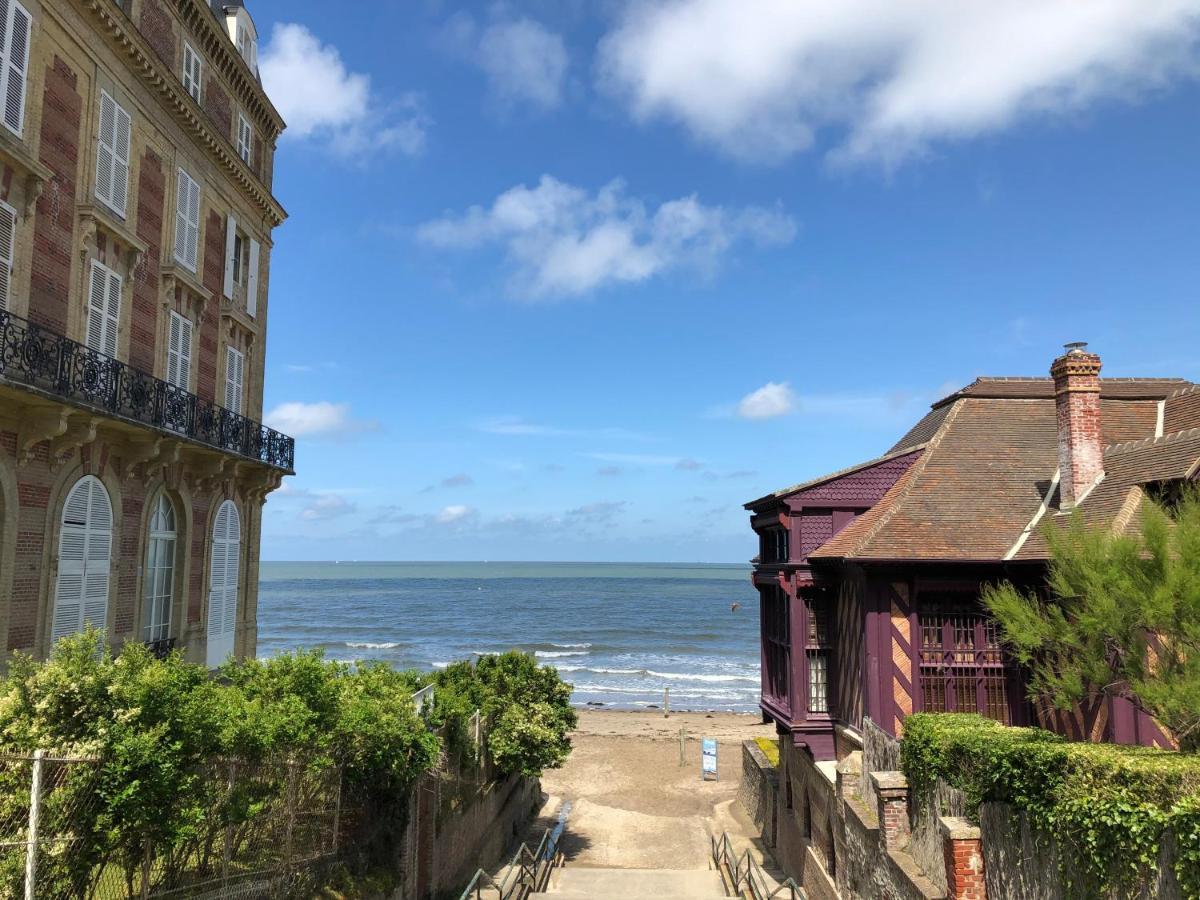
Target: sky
[568, 280]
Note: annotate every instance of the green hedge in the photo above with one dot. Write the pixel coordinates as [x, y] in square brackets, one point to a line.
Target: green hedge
[1107, 805]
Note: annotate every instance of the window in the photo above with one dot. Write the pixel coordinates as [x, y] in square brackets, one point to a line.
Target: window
[234, 373]
[247, 46]
[104, 309]
[963, 668]
[223, 584]
[112, 155]
[245, 138]
[774, 546]
[193, 66]
[179, 351]
[816, 651]
[14, 47]
[8, 238]
[776, 643]
[187, 221]
[241, 259]
[159, 581]
[84, 557]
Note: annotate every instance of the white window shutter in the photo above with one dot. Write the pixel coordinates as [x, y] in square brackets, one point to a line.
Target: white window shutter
[252, 280]
[8, 234]
[194, 225]
[97, 285]
[181, 216]
[185, 353]
[112, 313]
[105, 157]
[173, 342]
[123, 136]
[234, 364]
[84, 558]
[230, 250]
[223, 584]
[16, 66]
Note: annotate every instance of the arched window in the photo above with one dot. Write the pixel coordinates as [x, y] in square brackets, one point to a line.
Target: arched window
[84, 559]
[223, 584]
[159, 587]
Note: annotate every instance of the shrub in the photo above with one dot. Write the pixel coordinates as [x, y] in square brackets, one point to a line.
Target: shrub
[526, 709]
[1108, 806]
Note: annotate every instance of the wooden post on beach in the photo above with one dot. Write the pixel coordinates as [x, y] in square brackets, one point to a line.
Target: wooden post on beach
[682, 739]
[666, 702]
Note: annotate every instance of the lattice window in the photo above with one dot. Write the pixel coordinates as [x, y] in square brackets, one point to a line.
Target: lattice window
[817, 647]
[963, 668]
[774, 545]
[776, 643]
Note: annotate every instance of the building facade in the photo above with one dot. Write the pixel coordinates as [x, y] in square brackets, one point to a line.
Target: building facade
[136, 219]
[870, 577]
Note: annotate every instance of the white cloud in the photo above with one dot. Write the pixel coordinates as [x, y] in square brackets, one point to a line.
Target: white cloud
[562, 240]
[454, 514]
[320, 99]
[515, 426]
[325, 507]
[314, 419]
[758, 78]
[524, 62]
[770, 401]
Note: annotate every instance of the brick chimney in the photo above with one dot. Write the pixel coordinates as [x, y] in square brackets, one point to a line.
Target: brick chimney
[1077, 401]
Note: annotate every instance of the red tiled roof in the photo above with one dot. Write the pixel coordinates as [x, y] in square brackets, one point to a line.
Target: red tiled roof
[989, 456]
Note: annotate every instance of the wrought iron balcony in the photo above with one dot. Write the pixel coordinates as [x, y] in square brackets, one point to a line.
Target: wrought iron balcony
[44, 360]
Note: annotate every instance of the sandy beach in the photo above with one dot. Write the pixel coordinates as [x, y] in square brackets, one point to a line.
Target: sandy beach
[632, 805]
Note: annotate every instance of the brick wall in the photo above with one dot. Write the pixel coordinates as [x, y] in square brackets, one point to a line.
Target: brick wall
[159, 31]
[220, 110]
[55, 220]
[151, 196]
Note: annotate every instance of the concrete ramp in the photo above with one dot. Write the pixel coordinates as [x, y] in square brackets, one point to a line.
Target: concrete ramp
[583, 883]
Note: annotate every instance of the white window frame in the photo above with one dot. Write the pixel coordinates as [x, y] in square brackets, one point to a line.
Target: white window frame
[187, 220]
[245, 138]
[158, 591]
[14, 64]
[112, 155]
[193, 72]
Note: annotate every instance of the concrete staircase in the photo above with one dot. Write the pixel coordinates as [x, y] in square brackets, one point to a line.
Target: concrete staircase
[582, 883]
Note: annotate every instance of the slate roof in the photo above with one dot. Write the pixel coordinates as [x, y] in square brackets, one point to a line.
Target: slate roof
[989, 453]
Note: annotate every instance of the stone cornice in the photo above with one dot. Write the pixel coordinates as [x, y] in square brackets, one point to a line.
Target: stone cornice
[199, 18]
[117, 28]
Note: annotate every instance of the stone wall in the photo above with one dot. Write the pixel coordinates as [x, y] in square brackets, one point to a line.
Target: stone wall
[457, 825]
[759, 790]
[863, 833]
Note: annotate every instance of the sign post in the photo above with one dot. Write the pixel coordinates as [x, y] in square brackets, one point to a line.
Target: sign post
[708, 759]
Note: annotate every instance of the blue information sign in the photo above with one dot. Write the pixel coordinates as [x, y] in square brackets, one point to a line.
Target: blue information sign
[708, 759]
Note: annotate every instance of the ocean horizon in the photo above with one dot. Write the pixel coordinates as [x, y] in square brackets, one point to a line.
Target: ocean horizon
[620, 633]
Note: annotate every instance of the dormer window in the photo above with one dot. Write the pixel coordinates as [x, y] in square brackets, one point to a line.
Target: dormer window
[774, 546]
[243, 34]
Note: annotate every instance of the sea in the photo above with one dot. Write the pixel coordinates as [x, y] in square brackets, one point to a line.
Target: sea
[621, 634]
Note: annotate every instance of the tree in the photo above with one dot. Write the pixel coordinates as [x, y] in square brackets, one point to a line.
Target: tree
[1121, 617]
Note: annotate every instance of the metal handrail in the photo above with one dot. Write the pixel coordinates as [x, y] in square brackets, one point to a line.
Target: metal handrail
[746, 873]
[530, 868]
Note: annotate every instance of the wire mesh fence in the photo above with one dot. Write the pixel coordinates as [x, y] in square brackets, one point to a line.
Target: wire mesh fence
[244, 829]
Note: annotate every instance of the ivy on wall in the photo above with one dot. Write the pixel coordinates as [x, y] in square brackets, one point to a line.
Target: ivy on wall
[1108, 806]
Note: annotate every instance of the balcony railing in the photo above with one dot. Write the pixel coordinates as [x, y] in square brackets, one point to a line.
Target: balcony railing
[42, 359]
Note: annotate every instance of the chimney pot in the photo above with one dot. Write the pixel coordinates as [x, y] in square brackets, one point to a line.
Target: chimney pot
[1077, 403]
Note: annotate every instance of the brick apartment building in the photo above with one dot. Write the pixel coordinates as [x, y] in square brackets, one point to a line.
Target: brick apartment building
[136, 215]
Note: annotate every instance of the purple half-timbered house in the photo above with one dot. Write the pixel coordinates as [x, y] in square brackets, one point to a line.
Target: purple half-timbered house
[869, 577]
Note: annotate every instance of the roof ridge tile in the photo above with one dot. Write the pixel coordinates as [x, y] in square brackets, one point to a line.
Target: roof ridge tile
[1126, 446]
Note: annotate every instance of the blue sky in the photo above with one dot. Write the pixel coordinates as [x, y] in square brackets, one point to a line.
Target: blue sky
[573, 281]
